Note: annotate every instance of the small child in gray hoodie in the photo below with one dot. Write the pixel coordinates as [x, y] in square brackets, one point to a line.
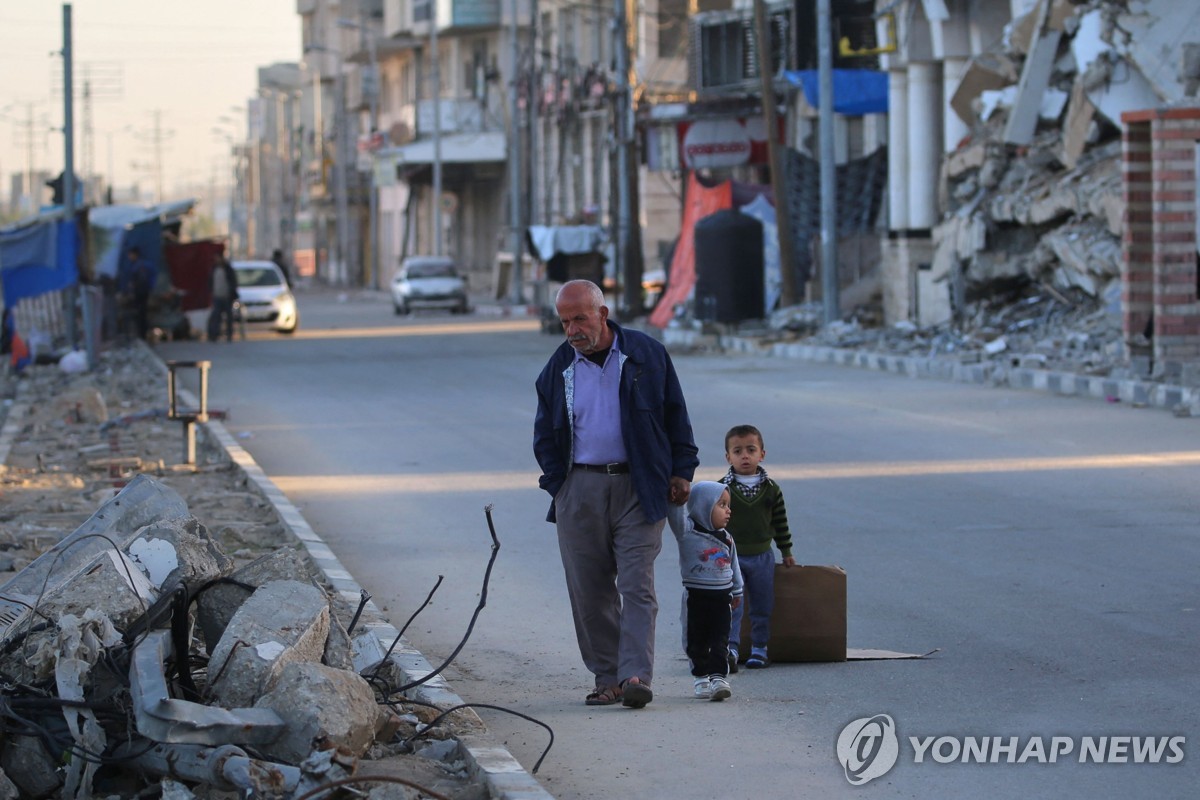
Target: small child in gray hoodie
[709, 566]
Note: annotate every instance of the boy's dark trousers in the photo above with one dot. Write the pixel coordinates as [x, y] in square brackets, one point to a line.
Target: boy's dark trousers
[708, 617]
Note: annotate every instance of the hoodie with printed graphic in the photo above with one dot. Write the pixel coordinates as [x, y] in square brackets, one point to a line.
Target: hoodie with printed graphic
[707, 558]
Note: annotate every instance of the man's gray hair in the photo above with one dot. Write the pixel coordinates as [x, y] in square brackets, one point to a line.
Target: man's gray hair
[594, 292]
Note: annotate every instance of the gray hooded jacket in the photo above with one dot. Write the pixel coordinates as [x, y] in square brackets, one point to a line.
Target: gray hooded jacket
[707, 559]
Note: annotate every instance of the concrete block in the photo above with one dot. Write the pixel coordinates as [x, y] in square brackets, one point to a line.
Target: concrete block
[217, 605]
[281, 623]
[322, 707]
[179, 549]
[27, 765]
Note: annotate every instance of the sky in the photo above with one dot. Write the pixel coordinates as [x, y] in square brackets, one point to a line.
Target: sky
[178, 68]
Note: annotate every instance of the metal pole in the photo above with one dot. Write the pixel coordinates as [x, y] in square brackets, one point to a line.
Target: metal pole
[436, 78]
[340, 164]
[372, 189]
[68, 183]
[514, 162]
[624, 102]
[779, 184]
[829, 272]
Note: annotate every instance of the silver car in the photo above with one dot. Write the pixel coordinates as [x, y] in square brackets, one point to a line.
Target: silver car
[265, 297]
[429, 282]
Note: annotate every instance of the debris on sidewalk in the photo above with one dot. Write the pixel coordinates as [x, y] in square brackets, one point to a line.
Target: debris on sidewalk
[158, 633]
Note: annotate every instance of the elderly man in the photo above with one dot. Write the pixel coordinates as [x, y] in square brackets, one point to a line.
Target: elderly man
[614, 442]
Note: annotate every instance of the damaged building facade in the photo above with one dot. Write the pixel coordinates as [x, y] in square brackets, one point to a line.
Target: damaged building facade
[1064, 141]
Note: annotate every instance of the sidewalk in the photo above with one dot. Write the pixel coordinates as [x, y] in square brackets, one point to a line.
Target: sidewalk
[1183, 401]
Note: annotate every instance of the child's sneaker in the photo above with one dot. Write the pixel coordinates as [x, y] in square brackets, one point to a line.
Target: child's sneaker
[758, 659]
[731, 658]
[703, 688]
[719, 687]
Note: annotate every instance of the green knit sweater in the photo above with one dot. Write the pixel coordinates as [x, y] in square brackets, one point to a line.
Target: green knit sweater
[758, 520]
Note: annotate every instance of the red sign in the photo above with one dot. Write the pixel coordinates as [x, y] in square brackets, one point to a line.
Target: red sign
[727, 142]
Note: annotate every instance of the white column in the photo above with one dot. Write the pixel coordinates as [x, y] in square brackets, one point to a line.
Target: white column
[925, 143]
[898, 150]
[955, 130]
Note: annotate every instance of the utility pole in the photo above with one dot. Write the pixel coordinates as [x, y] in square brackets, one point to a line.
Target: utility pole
[68, 184]
[437, 128]
[829, 272]
[629, 251]
[779, 183]
[516, 222]
[341, 163]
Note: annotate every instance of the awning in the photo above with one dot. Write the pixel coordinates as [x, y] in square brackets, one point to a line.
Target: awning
[457, 148]
[855, 91]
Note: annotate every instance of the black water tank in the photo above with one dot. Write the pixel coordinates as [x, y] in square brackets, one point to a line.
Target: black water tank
[729, 267]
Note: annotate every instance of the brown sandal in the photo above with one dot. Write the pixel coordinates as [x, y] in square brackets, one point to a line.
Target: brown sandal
[604, 697]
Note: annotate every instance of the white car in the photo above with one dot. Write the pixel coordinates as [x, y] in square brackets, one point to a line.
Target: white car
[264, 296]
[429, 282]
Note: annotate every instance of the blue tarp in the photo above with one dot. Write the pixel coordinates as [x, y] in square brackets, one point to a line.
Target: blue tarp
[38, 258]
[855, 91]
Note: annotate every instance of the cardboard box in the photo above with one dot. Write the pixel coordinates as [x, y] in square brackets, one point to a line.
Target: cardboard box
[809, 620]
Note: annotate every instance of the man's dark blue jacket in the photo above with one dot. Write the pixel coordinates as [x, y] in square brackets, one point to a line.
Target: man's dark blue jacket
[654, 422]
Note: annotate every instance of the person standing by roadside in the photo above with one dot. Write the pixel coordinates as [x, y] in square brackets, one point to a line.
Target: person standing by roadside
[222, 281]
[278, 259]
[139, 285]
[614, 442]
[759, 518]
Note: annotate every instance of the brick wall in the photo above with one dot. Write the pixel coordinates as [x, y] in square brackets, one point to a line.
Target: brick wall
[1159, 244]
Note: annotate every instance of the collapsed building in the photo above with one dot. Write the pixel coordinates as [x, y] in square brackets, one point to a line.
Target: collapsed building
[1067, 125]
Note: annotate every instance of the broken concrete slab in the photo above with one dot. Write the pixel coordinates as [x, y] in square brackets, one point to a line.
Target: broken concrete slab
[322, 707]
[988, 71]
[218, 603]
[117, 521]
[29, 767]
[282, 622]
[1153, 32]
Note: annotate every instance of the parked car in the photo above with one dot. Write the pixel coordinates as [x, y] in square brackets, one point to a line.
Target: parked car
[429, 282]
[264, 296]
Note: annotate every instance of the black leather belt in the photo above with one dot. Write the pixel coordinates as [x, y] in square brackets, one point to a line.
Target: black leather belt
[608, 469]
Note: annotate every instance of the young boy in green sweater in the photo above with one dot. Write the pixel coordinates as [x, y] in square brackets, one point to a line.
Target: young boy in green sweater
[758, 517]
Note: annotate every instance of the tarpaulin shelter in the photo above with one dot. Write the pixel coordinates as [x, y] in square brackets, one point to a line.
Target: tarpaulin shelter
[115, 229]
[37, 257]
[855, 91]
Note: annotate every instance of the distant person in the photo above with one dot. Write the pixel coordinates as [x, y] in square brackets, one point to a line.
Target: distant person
[614, 442]
[708, 564]
[222, 282]
[759, 518]
[139, 285]
[280, 262]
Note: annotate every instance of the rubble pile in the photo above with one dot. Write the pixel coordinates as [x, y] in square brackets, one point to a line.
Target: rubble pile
[1040, 202]
[158, 635]
[1028, 254]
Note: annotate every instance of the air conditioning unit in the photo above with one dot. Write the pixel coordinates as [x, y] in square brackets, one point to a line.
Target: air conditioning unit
[723, 48]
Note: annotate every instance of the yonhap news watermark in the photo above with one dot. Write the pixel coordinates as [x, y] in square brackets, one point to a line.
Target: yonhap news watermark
[870, 746]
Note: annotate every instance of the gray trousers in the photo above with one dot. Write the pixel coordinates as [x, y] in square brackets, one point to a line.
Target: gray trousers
[608, 551]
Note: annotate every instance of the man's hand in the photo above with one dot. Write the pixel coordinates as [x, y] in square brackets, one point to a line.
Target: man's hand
[789, 561]
[680, 489]
[735, 602]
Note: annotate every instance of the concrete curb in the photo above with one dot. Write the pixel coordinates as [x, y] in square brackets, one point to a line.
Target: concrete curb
[494, 766]
[1137, 393]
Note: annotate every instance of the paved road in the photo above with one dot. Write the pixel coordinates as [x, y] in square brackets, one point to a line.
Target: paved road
[1048, 546]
